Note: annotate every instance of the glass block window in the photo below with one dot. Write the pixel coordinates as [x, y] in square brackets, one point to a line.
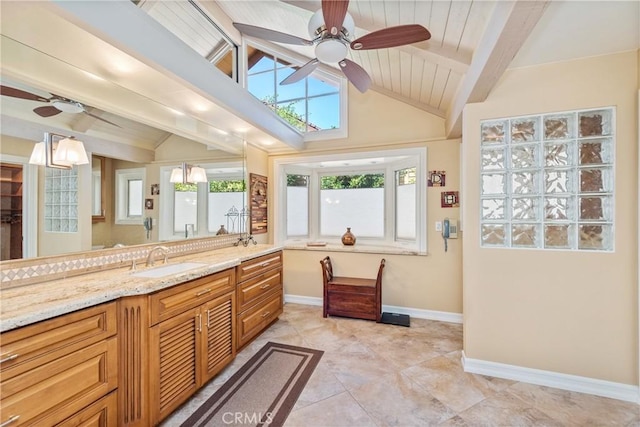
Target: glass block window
[547, 181]
[61, 200]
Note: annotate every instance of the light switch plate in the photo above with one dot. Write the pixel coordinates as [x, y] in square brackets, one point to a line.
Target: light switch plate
[438, 225]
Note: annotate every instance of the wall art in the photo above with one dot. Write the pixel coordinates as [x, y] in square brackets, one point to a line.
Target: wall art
[258, 196]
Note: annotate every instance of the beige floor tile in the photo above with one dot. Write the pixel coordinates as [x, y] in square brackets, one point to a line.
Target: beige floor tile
[394, 400]
[444, 378]
[578, 409]
[505, 409]
[338, 411]
[322, 385]
[375, 374]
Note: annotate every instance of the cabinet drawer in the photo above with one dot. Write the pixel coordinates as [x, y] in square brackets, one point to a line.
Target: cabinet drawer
[62, 387]
[175, 300]
[27, 348]
[252, 290]
[103, 413]
[259, 265]
[255, 319]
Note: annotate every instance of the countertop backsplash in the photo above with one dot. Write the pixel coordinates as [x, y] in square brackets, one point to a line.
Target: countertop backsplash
[30, 271]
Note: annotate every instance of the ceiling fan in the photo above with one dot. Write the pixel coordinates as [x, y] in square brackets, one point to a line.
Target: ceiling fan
[331, 29]
[58, 104]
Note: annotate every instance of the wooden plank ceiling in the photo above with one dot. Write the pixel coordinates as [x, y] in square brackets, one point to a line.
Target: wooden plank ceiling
[435, 76]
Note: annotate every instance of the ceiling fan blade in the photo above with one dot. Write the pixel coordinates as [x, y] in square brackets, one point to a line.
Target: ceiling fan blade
[301, 72]
[17, 93]
[356, 74]
[100, 118]
[392, 37]
[46, 111]
[334, 12]
[271, 35]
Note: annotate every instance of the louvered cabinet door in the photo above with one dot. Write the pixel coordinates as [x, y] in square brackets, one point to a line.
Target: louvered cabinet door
[174, 348]
[218, 335]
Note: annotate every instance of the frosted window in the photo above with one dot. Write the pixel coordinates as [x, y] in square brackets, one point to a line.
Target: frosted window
[556, 188]
[297, 205]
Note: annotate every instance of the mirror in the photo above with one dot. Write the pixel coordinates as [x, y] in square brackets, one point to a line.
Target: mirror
[114, 146]
[97, 189]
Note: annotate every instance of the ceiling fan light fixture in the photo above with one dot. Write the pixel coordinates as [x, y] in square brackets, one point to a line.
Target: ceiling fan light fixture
[331, 51]
[68, 106]
[316, 25]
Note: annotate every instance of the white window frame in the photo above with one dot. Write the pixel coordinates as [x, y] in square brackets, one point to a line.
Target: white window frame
[322, 72]
[411, 157]
[123, 176]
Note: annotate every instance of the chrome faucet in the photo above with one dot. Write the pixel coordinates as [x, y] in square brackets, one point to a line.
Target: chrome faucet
[163, 249]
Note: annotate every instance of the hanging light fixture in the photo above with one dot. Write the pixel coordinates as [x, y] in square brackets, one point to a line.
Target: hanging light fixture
[63, 153]
[188, 174]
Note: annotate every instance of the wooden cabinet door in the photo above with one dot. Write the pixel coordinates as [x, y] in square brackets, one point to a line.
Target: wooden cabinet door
[174, 345]
[218, 344]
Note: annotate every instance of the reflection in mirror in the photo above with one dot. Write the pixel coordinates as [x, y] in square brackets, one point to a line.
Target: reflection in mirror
[97, 189]
[211, 208]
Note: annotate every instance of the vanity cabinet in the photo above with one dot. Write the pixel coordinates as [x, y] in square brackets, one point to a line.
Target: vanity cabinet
[259, 295]
[60, 370]
[191, 338]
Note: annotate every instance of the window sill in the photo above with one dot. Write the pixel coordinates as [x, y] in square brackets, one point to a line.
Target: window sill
[357, 248]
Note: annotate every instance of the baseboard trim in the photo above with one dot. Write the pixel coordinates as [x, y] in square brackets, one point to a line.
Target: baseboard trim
[442, 316]
[628, 393]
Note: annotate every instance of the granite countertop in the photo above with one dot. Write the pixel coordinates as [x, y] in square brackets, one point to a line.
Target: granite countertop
[28, 304]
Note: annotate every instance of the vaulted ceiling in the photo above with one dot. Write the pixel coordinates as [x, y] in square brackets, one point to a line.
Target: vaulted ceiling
[47, 45]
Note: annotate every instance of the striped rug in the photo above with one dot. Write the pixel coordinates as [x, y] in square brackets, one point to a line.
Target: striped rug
[262, 392]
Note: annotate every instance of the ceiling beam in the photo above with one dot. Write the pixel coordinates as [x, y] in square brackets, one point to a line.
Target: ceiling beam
[446, 56]
[507, 30]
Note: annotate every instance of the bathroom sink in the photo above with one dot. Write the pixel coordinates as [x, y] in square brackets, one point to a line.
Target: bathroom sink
[169, 269]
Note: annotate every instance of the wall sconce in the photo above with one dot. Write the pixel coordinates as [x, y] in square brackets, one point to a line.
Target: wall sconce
[187, 174]
[58, 151]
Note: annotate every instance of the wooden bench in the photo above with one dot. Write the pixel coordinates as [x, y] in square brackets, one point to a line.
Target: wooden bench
[351, 296]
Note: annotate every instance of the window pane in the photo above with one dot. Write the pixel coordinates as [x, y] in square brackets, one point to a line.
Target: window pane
[324, 112]
[134, 204]
[355, 201]
[297, 205]
[259, 61]
[406, 204]
[224, 204]
[294, 113]
[289, 91]
[185, 207]
[320, 87]
[261, 86]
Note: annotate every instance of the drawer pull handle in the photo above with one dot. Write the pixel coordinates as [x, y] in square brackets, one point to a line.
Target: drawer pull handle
[264, 286]
[263, 316]
[199, 294]
[7, 358]
[11, 420]
[264, 264]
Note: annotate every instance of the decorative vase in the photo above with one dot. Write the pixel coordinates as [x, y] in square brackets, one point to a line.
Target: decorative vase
[222, 230]
[348, 239]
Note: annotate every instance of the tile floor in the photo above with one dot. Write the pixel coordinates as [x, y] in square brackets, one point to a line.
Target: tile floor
[383, 375]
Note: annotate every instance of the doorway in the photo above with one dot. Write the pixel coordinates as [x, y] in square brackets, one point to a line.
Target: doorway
[11, 234]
